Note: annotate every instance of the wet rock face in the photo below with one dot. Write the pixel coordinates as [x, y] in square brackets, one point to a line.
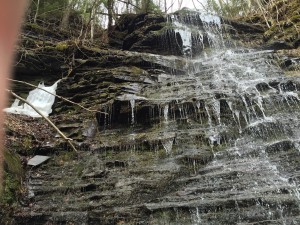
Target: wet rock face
[209, 140]
[41, 54]
[144, 33]
[183, 142]
[166, 35]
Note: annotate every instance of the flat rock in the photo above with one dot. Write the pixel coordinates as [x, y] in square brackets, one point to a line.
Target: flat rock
[37, 160]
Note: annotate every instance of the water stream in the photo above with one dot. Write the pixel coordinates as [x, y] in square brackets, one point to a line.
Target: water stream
[250, 120]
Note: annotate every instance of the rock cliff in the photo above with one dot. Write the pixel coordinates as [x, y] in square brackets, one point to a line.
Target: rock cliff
[169, 138]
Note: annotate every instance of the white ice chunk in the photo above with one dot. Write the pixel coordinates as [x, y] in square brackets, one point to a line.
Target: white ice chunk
[40, 99]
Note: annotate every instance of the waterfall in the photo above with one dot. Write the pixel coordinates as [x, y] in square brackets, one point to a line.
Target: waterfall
[241, 126]
[208, 136]
[203, 30]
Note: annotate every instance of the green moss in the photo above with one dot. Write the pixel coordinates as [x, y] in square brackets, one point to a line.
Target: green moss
[13, 163]
[27, 142]
[106, 84]
[61, 46]
[136, 71]
[11, 185]
[24, 145]
[94, 49]
[79, 169]
[271, 30]
[50, 48]
[292, 73]
[295, 19]
[67, 156]
[35, 26]
[103, 95]
[12, 178]
[285, 22]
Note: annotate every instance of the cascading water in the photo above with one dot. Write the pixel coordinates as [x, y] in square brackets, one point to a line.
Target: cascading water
[248, 119]
[197, 30]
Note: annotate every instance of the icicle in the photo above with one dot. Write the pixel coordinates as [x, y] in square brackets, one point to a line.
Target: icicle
[212, 26]
[254, 112]
[198, 107]
[194, 166]
[180, 111]
[186, 37]
[245, 117]
[238, 210]
[200, 39]
[196, 219]
[166, 112]
[185, 111]
[259, 103]
[132, 103]
[231, 109]
[246, 105]
[208, 117]
[214, 139]
[167, 144]
[237, 114]
[216, 109]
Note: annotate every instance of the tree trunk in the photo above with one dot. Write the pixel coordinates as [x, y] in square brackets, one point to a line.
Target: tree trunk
[166, 7]
[127, 6]
[110, 9]
[66, 16]
[93, 13]
[138, 8]
[82, 25]
[146, 6]
[36, 11]
[180, 4]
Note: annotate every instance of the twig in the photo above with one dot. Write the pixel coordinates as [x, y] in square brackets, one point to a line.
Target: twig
[202, 5]
[47, 119]
[58, 96]
[130, 3]
[170, 6]
[106, 14]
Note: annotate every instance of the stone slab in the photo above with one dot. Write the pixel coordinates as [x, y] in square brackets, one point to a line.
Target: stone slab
[37, 160]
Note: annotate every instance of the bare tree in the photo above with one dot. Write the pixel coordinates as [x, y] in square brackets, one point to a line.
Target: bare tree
[110, 9]
[66, 16]
[180, 4]
[36, 11]
[93, 14]
[166, 7]
[170, 7]
[146, 6]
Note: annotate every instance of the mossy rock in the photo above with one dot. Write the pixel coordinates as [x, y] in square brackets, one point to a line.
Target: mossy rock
[13, 175]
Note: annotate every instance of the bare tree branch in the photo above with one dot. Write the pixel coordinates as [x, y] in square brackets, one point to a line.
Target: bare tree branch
[170, 6]
[106, 14]
[47, 119]
[130, 3]
[194, 4]
[203, 6]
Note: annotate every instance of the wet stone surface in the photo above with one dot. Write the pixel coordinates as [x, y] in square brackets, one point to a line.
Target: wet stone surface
[183, 149]
[207, 140]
